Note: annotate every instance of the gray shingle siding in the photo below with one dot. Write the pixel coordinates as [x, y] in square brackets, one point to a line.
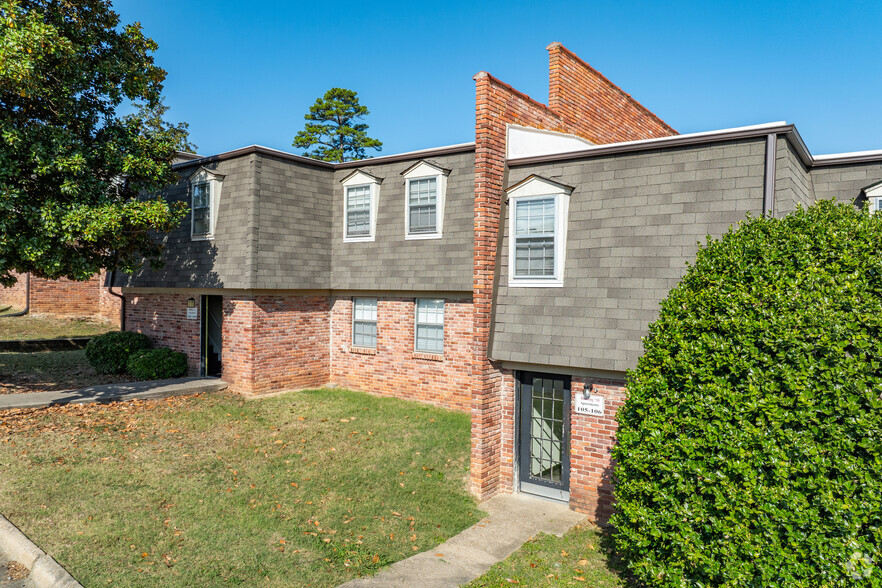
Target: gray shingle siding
[793, 181]
[293, 226]
[280, 226]
[844, 182]
[392, 263]
[226, 261]
[634, 221]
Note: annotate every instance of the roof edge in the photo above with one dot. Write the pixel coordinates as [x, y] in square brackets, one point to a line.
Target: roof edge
[422, 153]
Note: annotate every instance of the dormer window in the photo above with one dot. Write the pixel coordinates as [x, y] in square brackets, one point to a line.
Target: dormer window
[425, 188]
[873, 193]
[205, 192]
[361, 192]
[537, 232]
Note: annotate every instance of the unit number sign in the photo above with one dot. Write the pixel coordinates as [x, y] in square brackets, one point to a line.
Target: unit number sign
[593, 405]
[192, 313]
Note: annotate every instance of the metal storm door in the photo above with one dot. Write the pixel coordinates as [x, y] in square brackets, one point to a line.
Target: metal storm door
[544, 434]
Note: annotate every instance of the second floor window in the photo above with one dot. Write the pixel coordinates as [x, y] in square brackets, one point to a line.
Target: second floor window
[422, 206]
[358, 211]
[201, 209]
[534, 236]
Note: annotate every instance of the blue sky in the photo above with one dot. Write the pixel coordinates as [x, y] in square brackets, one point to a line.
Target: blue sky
[246, 72]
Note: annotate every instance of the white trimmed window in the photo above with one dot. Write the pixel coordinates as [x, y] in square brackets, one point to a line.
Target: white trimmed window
[361, 193]
[364, 322]
[537, 232]
[429, 326]
[874, 197]
[425, 188]
[205, 191]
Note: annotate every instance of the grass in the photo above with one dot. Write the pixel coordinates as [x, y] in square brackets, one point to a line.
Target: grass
[579, 558]
[41, 327]
[50, 370]
[307, 488]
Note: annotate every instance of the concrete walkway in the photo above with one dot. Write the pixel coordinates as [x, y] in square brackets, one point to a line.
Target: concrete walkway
[512, 519]
[111, 392]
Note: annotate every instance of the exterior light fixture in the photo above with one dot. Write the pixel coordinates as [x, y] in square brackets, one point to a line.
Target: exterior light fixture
[191, 303]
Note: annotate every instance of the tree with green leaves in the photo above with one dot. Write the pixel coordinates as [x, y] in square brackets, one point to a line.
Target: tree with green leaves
[331, 126]
[749, 450]
[72, 166]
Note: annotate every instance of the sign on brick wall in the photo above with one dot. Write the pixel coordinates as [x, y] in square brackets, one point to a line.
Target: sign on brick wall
[594, 405]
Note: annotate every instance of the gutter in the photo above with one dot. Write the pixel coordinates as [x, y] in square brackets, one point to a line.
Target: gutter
[27, 307]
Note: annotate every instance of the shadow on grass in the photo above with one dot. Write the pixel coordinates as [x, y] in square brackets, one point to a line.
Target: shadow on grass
[614, 561]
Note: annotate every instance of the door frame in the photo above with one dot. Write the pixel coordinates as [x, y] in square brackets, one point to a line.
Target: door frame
[522, 440]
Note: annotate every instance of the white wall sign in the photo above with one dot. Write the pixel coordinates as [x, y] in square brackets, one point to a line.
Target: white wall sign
[593, 405]
[192, 313]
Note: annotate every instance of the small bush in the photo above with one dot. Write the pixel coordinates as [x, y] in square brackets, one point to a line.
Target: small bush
[749, 450]
[109, 353]
[157, 364]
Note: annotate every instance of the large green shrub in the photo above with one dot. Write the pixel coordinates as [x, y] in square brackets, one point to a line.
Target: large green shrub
[750, 448]
[157, 364]
[109, 353]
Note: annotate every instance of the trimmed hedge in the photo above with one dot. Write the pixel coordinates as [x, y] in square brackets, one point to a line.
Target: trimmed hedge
[157, 364]
[749, 450]
[109, 353]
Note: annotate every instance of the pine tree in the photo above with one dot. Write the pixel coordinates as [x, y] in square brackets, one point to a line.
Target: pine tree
[331, 127]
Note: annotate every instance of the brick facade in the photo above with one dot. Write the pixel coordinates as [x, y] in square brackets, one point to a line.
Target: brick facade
[65, 298]
[163, 318]
[393, 368]
[273, 343]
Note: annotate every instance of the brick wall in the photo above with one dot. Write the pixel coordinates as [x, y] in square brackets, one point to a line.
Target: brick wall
[163, 318]
[273, 343]
[65, 298]
[583, 103]
[394, 369]
[591, 443]
[592, 106]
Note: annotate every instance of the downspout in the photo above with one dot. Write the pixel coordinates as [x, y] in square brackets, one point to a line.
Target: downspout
[769, 182]
[27, 307]
[122, 299]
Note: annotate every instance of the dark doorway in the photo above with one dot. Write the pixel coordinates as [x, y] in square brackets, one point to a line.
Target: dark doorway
[212, 334]
[544, 434]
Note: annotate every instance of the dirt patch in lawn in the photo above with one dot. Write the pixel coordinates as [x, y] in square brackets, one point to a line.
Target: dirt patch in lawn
[50, 371]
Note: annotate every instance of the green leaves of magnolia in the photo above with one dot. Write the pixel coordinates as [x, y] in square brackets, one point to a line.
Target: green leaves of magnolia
[750, 448]
[71, 168]
[331, 127]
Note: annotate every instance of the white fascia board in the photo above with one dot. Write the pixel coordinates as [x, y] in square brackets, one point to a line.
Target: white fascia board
[834, 156]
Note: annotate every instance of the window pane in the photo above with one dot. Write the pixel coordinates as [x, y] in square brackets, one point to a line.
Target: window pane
[201, 221]
[534, 217]
[430, 326]
[201, 196]
[423, 204]
[534, 256]
[358, 211]
[364, 322]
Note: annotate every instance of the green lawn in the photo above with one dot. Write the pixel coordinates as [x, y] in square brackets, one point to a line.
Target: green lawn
[579, 558]
[302, 489]
[50, 370]
[31, 327]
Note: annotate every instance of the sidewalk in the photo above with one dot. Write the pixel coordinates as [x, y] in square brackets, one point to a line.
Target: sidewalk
[512, 519]
[112, 392]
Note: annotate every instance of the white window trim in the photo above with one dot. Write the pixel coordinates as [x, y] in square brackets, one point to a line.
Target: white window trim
[425, 171]
[874, 196]
[215, 183]
[359, 180]
[416, 324]
[538, 189]
[376, 321]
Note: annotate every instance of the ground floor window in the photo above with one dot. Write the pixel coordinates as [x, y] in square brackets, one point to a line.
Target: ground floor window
[364, 322]
[429, 326]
